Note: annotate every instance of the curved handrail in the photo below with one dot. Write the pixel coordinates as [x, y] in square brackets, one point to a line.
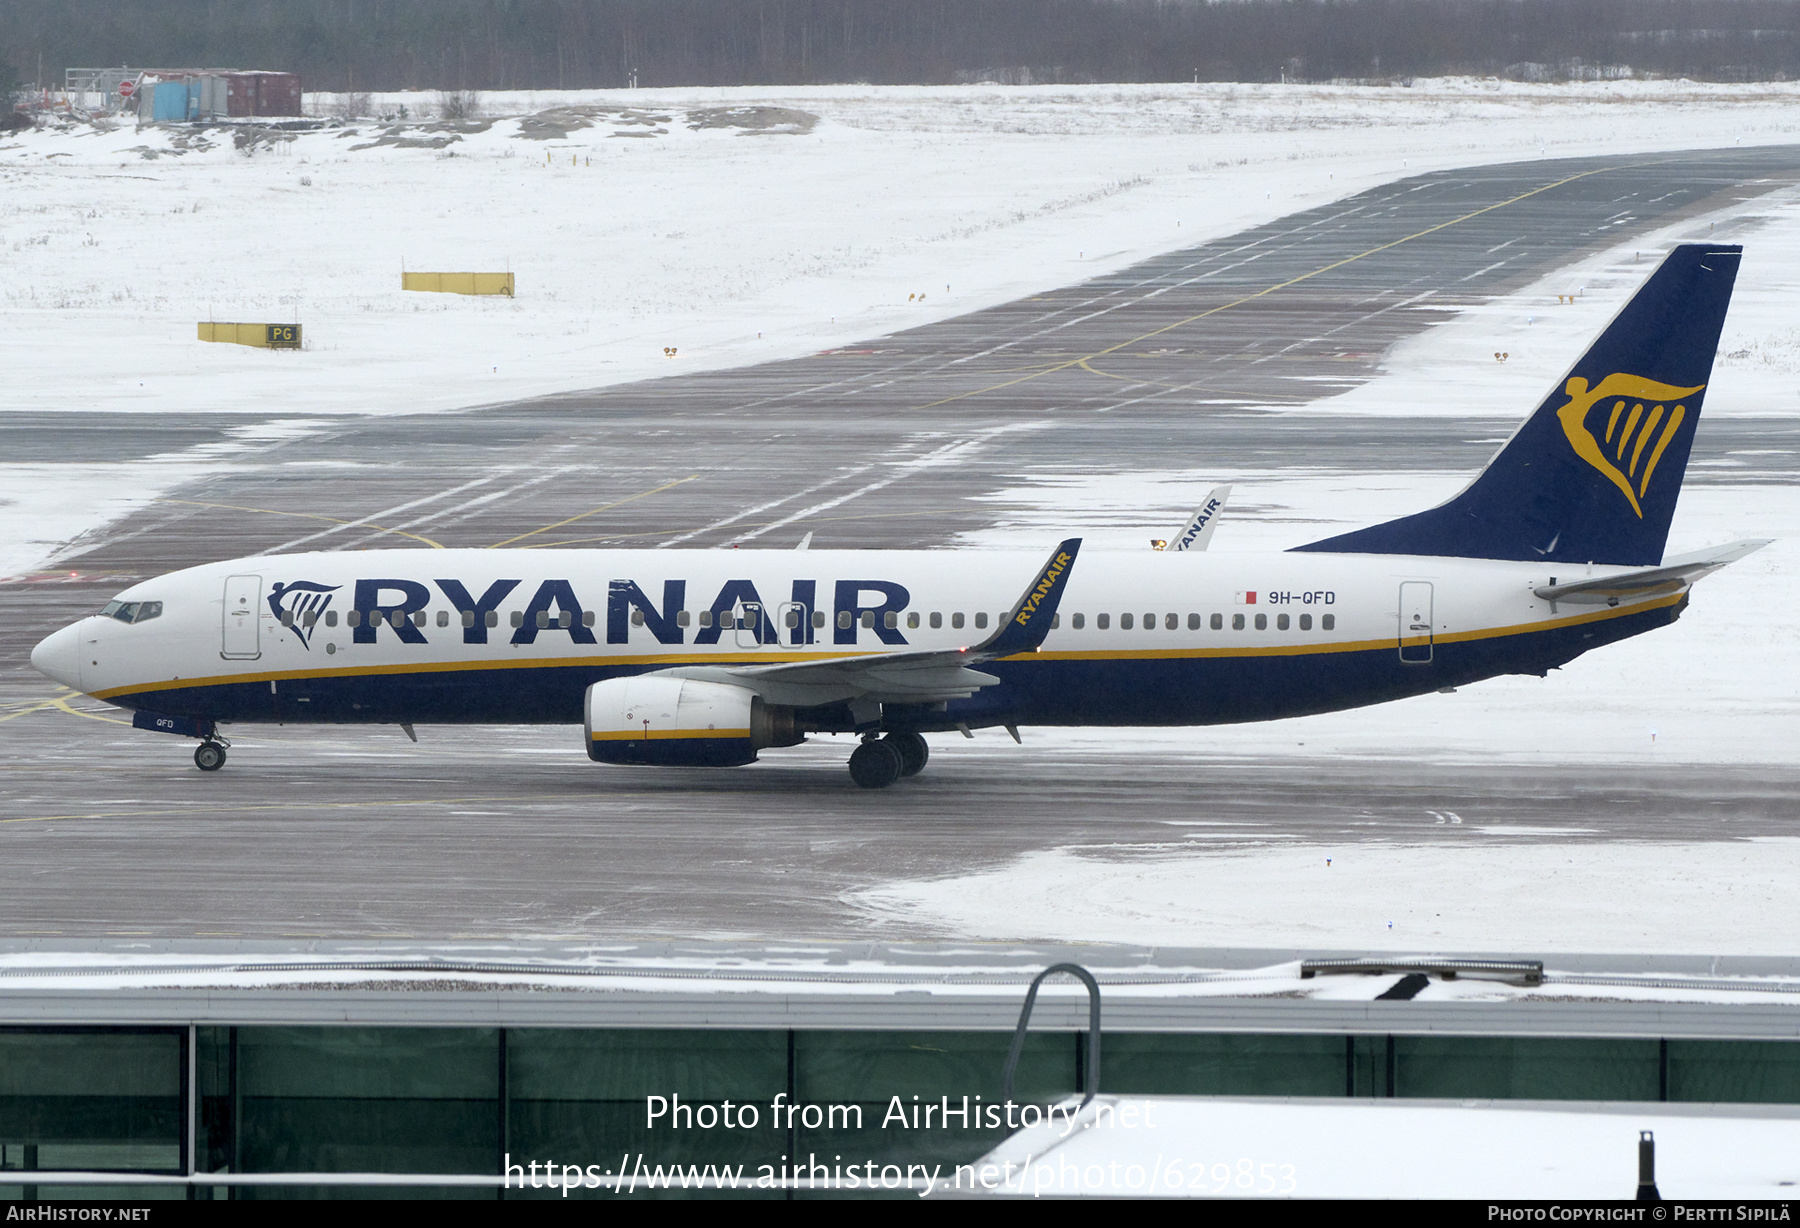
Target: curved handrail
[1093, 1053]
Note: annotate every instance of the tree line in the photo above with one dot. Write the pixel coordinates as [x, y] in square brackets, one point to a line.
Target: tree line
[363, 45]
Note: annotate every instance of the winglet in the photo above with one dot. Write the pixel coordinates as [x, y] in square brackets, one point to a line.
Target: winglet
[1029, 622]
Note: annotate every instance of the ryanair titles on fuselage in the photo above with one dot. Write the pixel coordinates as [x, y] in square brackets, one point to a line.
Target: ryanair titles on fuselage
[399, 604]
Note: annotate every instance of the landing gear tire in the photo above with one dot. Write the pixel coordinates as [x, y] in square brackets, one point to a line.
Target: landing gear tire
[209, 756]
[913, 752]
[875, 764]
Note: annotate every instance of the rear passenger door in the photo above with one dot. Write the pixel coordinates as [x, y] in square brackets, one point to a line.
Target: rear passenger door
[1415, 622]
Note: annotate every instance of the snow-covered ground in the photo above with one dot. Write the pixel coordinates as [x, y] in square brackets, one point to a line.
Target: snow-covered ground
[1253, 888]
[1216, 1147]
[693, 219]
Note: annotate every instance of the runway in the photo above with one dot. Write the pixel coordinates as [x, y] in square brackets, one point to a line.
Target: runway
[352, 832]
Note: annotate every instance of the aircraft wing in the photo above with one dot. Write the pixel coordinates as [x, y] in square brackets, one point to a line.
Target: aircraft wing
[919, 676]
[1675, 574]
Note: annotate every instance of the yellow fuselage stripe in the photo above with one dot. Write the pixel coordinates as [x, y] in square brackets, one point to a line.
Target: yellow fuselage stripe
[659, 735]
[785, 657]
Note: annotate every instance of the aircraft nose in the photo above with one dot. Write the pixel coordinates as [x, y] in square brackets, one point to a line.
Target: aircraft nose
[58, 656]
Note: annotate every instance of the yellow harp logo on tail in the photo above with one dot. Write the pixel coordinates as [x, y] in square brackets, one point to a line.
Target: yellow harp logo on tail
[1625, 452]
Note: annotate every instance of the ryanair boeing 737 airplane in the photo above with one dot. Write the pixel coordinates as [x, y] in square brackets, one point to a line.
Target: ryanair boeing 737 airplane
[706, 657]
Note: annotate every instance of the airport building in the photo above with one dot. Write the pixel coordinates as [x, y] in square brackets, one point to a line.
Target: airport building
[435, 1076]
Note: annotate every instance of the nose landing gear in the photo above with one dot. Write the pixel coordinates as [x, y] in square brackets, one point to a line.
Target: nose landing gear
[209, 756]
[879, 762]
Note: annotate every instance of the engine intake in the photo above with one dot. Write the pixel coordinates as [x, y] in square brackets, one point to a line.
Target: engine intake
[678, 722]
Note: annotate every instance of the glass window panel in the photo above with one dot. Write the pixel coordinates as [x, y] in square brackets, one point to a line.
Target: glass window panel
[1125, 622]
[1213, 1064]
[1262, 622]
[1526, 1068]
[1328, 622]
[1735, 1071]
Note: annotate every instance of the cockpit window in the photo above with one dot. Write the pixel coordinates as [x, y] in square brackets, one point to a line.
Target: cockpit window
[132, 611]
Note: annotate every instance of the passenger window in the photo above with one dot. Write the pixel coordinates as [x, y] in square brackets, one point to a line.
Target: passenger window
[565, 619]
[286, 618]
[307, 621]
[1306, 622]
[543, 619]
[1218, 622]
[1193, 622]
[1055, 621]
[1237, 622]
[980, 619]
[792, 620]
[956, 620]
[587, 618]
[868, 619]
[1172, 622]
[819, 618]
[1102, 621]
[1078, 622]
[843, 620]
[353, 618]
[1262, 622]
[518, 618]
[493, 618]
[443, 619]
[892, 620]
[706, 618]
[682, 618]
[1281, 622]
[1328, 622]
[331, 618]
[728, 622]
[397, 618]
[1125, 622]
[468, 617]
[637, 618]
[912, 621]
[937, 620]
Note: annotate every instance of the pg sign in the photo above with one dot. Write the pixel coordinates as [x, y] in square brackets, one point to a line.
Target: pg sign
[283, 337]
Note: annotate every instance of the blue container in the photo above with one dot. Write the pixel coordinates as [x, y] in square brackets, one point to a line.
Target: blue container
[170, 102]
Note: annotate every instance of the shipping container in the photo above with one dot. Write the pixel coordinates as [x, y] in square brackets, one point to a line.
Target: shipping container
[263, 93]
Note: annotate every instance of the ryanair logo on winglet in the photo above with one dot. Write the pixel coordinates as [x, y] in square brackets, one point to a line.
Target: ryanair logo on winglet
[1045, 586]
[1639, 425]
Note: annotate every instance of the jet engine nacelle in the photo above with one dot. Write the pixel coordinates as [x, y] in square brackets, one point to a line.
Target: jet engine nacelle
[678, 722]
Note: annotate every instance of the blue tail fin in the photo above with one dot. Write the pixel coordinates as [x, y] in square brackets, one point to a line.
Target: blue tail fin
[1593, 475]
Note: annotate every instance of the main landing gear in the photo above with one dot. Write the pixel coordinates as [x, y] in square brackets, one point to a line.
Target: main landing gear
[209, 756]
[879, 762]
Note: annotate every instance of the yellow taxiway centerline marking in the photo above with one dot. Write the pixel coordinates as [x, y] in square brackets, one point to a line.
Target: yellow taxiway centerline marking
[616, 503]
[269, 511]
[1268, 290]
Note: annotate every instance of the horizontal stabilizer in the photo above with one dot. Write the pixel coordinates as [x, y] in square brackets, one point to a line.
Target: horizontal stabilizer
[1673, 576]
